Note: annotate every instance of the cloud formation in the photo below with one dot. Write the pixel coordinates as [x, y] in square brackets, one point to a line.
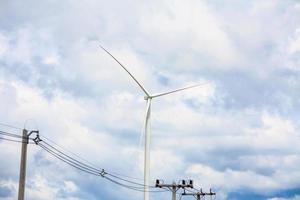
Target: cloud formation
[240, 128]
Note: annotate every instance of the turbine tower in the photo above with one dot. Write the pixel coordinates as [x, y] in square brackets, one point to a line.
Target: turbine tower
[148, 97]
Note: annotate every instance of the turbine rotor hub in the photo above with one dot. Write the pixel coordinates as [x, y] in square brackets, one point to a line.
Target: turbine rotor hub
[147, 97]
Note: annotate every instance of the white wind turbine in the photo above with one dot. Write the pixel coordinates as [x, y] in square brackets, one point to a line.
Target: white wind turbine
[148, 97]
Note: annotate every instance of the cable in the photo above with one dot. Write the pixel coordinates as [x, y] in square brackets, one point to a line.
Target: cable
[84, 169]
[69, 161]
[83, 165]
[88, 169]
[180, 196]
[130, 187]
[92, 165]
[116, 174]
[58, 157]
[6, 134]
[128, 181]
[11, 140]
[59, 154]
[10, 134]
[44, 137]
[10, 126]
[76, 162]
[191, 191]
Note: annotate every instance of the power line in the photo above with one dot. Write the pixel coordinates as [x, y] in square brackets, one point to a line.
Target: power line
[18, 128]
[10, 134]
[83, 159]
[72, 159]
[59, 154]
[97, 172]
[80, 165]
[10, 126]
[8, 137]
[68, 161]
[74, 162]
[11, 140]
[92, 170]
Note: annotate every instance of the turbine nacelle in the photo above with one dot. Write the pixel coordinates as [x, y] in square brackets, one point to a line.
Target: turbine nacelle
[147, 97]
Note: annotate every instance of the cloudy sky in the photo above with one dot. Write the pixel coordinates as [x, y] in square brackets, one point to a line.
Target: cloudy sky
[238, 134]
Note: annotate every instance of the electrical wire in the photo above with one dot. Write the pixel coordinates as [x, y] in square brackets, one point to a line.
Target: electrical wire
[10, 126]
[51, 141]
[128, 181]
[7, 136]
[93, 171]
[189, 190]
[62, 156]
[11, 140]
[84, 169]
[10, 134]
[180, 196]
[79, 157]
[73, 159]
[91, 167]
[130, 187]
[70, 161]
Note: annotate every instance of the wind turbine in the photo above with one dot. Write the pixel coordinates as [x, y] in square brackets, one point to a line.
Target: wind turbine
[148, 97]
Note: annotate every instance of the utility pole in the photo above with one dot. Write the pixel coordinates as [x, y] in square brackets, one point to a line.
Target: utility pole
[200, 194]
[174, 187]
[25, 140]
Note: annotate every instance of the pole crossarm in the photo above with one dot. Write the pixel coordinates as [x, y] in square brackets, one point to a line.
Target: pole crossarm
[199, 194]
[174, 187]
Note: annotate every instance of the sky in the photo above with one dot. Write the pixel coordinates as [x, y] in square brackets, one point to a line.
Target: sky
[237, 134]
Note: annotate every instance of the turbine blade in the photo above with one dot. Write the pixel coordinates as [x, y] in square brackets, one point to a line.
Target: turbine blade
[178, 90]
[139, 84]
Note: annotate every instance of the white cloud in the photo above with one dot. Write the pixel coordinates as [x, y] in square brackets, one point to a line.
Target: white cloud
[4, 45]
[296, 197]
[190, 26]
[295, 42]
[97, 111]
[70, 186]
[231, 180]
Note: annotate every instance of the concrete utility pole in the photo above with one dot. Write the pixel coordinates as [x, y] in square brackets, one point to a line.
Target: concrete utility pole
[174, 187]
[23, 166]
[22, 178]
[199, 194]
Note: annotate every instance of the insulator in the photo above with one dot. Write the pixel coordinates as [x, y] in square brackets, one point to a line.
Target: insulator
[157, 183]
[183, 182]
[191, 184]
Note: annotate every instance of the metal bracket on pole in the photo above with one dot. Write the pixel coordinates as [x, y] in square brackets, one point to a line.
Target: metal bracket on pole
[37, 139]
[28, 135]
